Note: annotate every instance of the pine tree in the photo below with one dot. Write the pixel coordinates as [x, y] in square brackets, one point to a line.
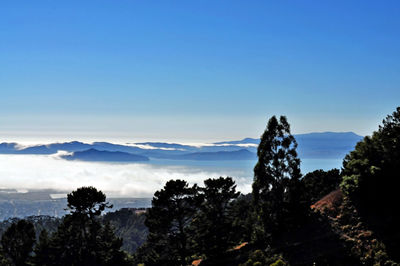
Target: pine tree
[168, 220]
[81, 239]
[213, 225]
[276, 187]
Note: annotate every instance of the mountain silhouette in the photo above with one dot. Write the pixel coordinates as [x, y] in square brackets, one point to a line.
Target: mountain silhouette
[94, 155]
[325, 145]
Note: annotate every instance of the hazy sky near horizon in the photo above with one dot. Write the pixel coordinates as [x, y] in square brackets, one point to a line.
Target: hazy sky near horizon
[195, 70]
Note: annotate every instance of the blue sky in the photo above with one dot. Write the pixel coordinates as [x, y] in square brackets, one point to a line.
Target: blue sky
[195, 70]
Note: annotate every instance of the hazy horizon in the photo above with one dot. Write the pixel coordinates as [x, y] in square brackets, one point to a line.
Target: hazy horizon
[42, 140]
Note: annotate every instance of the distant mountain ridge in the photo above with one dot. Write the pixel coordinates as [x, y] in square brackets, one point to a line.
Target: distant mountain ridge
[243, 141]
[242, 154]
[346, 136]
[325, 145]
[315, 145]
[93, 155]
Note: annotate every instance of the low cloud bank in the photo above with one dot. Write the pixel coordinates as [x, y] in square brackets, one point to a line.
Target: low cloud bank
[116, 180]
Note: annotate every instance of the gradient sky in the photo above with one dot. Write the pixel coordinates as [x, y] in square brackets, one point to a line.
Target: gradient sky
[195, 70]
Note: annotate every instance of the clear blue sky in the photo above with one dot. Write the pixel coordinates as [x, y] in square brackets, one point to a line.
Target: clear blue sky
[195, 70]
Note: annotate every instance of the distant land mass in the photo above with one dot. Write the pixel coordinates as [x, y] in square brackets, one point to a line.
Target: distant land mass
[242, 154]
[243, 141]
[94, 155]
[316, 145]
[325, 145]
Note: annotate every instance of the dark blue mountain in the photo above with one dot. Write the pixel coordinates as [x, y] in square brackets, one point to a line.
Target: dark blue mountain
[69, 146]
[94, 155]
[242, 154]
[243, 141]
[9, 148]
[163, 145]
[165, 150]
[225, 147]
[326, 145]
[106, 146]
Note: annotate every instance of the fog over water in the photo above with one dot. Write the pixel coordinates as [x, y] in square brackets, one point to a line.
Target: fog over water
[28, 172]
[125, 180]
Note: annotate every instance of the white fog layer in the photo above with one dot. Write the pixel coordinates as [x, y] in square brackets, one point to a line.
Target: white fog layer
[27, 172]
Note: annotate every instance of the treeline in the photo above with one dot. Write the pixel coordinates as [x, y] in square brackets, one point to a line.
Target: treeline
[274, 225]
[80, 239]
[128, 224]
[213, 224]
[208, 223]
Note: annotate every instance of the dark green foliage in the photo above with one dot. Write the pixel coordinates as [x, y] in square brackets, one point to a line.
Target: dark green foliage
[371, 171]
[213, 223]
[277, 191]
[242, 213]
[168, 222]
[87, 201]
[279, 216]
[17, 242]
[81, 239]
[260, 258]
[370, 179]
[42, 249]
[256, 258]
[39, 222]
[319, 183]
[109, 247]
[4, 260]
[190, 222]
[278, 262]
[72, 243]
[129, 226]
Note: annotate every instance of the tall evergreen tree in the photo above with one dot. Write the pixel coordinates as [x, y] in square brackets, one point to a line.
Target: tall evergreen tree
[81, 239]
[276, 186]
[168, 220]
[214, 222]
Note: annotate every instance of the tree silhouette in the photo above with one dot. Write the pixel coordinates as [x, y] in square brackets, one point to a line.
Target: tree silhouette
[214, 222]
[276, 187]
[172, 211]
[371, 171]
[243, 218]
[87, 201]
[81, 239]
[17, 242]
[42, 249]
[319, 183]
